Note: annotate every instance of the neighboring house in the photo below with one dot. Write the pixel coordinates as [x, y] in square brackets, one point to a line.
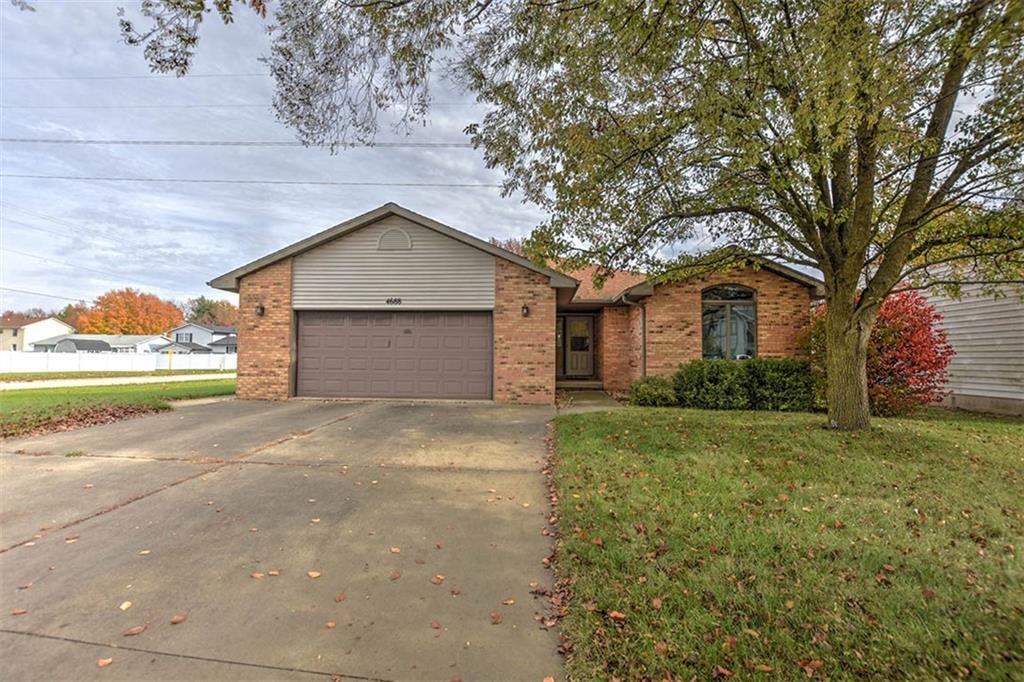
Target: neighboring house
[192, 337]
[73, 345]
[228, 344]
[118, 343]
[394, 304]
[987, 333]
[20, 333]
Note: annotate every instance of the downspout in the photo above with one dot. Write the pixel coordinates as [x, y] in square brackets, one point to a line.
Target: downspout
[643, 332]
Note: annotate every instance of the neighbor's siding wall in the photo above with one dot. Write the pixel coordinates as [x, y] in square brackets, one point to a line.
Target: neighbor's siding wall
[987, 372]
[265, 353]
[437, 273]
[674, 317]
[524, 347]
[42, 330]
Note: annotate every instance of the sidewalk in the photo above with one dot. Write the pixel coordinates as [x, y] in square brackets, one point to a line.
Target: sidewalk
[109, 381]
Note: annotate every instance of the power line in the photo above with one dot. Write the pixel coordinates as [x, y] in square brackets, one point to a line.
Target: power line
[44, 216]
[131, 77]
[105, 273]
[186, 106]
[233, 143]
[39, 293]
[327, 183]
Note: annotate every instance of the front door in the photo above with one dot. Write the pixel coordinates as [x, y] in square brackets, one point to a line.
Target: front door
[579, 346]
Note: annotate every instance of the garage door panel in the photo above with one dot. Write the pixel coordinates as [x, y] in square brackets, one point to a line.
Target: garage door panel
[394, 354]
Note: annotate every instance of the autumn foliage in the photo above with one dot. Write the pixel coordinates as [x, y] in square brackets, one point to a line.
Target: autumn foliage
[908, 354]
[129, 311]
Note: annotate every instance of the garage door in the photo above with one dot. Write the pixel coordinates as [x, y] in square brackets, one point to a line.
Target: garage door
[347, 354]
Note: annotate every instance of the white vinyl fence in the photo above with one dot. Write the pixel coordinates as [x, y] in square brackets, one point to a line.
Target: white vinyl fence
[18, 361]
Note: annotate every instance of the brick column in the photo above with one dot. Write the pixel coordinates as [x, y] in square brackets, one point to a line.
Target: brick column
[265, 343]
[524, 347]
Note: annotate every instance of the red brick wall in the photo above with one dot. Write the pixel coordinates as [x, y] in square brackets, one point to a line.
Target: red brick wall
[674, 317]
[265, 343]
[524, 347]
[618, 364]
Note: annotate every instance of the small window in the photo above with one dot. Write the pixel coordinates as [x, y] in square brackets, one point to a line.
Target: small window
[729, 322]
[181, 337]
[394, 239]
[14, 332]
[14, 346]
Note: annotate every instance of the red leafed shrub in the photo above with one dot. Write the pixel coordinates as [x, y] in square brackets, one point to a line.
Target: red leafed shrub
[908, 354]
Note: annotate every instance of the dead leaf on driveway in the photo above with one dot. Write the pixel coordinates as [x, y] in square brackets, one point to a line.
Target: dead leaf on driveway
[19, 612]
[273, 574]
[330, 625]
[396, 550]
[508, 602]
[103, 662]
[125, 605]
[137, 630]
[496, 617]
[256, 575]
[437, 579]
[395, 575]
[434, 624]
[178, 618]
[71, 538]
[143, 552]
[340, 597]
[313, 574]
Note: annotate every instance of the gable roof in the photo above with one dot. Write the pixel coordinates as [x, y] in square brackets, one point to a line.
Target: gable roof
[215, 328]
[87, 344]
[19, 321]
[187, 345]
[229, 280]
[616, 283]
[231, 340]
[646, 288]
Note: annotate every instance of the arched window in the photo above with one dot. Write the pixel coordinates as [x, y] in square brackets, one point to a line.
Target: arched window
[394, 239]
[729, 322]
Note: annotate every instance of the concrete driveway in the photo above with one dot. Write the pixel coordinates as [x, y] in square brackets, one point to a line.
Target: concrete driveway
[299, 539]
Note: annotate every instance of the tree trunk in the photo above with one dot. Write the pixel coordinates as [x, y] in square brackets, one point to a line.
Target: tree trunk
[847, 389]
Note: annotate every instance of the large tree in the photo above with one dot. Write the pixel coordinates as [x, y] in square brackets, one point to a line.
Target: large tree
[205, 310]
[129, 311]
[880, 142]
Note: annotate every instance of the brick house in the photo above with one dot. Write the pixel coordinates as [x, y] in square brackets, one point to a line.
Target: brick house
[392, 304]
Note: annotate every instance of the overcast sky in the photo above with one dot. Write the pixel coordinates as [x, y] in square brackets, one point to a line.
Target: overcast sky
[170, 239]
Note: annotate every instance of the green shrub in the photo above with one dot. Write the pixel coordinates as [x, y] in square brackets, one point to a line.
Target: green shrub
[712, 385]
[776, 384]
[652, 392]
[780, 384]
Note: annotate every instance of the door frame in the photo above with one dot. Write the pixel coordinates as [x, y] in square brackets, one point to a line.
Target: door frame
[560, 322]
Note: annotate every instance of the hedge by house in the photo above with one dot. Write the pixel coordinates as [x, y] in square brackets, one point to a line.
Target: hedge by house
[776, 384]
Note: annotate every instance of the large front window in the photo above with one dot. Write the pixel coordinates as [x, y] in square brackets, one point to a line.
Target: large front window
[729, 322]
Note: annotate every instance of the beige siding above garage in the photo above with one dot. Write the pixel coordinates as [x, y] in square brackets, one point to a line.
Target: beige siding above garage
[393, 264]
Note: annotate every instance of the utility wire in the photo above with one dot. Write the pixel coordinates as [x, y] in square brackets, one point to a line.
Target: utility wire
[219, 181]
[185, 106]
[39, 293]
[131, 77]
[232, 143]
[105, 273]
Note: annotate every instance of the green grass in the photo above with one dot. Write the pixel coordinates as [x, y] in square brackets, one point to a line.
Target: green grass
[35, 409]
[778, 547]
[42, 376]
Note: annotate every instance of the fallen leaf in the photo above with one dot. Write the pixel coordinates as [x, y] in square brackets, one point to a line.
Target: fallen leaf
[508, 602]
[789, 604]
[395, 575]
[533, 584]
[617, 616]
[722, 672]
[144, 552]
[340, 597]
[19, 612]
[257, 575]
[434, 624]
[526, 504]
[137, 630]
[496, 617]
[313, 574]
[273, 574]
[70, 539]
[549, 679]
[783, 497]
[396, 550]
[178, 618]
[661, 648]
[928, 593]
[253, 530]
[437, 579]
[656, 603]
[420, 562]
[317, 520]
[103, 662]
[763, 667]
[125, 605]
[330, 625]
[439, 545]
[810, 667]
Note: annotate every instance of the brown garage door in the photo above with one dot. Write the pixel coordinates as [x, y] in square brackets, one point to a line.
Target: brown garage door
[346, 354]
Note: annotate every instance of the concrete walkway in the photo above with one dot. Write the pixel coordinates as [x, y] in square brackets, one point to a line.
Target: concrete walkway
[109, 381]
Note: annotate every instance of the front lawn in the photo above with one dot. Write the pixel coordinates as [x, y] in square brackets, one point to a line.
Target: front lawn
[37, 410]
[44, 376]
[713, 544]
